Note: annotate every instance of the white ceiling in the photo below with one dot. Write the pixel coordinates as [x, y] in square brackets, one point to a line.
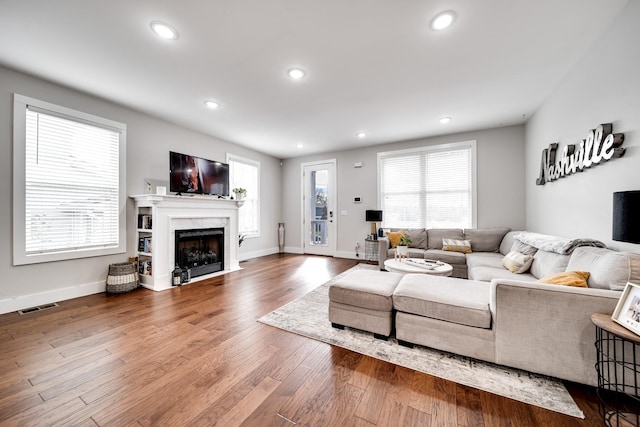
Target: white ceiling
[372, 65]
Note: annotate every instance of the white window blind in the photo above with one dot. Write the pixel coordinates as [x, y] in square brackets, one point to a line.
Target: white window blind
[432, 187]
[71, 184]
[245, 173]
[68, 183]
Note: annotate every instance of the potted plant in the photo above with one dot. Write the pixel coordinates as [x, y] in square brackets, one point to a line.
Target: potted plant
[403, 246]
[240, 193]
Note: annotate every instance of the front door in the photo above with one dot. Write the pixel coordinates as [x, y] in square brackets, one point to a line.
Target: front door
[319, 230]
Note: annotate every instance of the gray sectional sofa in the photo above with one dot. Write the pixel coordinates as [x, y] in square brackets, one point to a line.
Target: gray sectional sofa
[495, 315]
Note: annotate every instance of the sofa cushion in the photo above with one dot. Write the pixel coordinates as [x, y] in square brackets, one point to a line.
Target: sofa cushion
[577, 279]
[366, 288]
[516, 262]
[523, 248]
[485, 239]
[507, 242]
[418, 237]
[435, 236]
[463, 246]
[548, 263]
[487, 274]
[461, 301]
[411, 252]
[485, 259]
[609, 269]
[453, 258]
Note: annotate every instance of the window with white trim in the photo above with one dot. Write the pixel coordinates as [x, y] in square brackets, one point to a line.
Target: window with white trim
[69, 183]
[245, 173]
[431, 187]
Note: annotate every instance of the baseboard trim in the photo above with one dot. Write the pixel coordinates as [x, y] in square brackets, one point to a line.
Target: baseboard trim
[256, 254]
[350, 255]
[293, 250]
[9, 305]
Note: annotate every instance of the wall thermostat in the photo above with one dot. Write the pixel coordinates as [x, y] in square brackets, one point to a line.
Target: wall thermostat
[357, 200]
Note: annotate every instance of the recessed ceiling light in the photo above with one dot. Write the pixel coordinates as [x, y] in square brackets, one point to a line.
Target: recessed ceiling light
[296, 73]
[444, 120]
[361, 135]
[211, 104]
[163, 30]
[443, 20]
[299, 145]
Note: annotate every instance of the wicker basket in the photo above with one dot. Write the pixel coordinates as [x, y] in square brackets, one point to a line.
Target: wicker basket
[122, 277]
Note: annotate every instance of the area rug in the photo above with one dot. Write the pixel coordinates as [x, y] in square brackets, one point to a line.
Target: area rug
[308, 316]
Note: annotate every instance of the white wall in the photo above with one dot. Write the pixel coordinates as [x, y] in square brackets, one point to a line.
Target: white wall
[149, 141]
[603, 88]
[500, 185]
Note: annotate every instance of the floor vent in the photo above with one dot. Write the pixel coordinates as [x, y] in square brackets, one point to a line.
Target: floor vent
[38, 308]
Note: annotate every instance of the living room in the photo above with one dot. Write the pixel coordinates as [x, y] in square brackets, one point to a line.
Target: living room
[601, 86]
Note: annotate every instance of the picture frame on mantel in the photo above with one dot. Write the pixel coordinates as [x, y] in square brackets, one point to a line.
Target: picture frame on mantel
[627, 312]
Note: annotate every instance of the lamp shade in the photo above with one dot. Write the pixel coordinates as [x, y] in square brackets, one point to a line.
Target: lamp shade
[626, 216]
[375, 216]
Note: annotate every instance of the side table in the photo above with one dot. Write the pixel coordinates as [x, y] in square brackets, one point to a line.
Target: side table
[618, 376]
[371, 250]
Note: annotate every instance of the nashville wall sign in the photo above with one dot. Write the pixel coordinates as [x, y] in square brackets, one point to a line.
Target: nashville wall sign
[600, 145]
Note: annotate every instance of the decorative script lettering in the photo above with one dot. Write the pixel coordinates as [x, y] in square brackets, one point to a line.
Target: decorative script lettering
[600, 145]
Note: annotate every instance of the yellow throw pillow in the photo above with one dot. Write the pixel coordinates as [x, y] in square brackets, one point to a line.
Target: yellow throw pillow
[453, 245]
[394, 237]
[568, 278]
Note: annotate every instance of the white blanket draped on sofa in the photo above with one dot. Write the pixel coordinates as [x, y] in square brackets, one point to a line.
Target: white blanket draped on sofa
[555, 244]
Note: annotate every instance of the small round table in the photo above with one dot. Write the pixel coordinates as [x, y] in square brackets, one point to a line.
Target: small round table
[618, 374]
[417, 265]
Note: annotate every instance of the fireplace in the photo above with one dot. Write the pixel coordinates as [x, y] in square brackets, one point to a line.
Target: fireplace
[200, 250]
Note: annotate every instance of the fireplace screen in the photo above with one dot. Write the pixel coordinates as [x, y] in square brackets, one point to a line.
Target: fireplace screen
[200, 250]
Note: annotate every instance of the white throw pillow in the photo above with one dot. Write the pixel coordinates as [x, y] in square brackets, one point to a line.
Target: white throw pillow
[516, 262]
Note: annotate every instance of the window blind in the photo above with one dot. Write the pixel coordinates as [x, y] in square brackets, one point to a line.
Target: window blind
[428, 187]
[71, 184]
[245, 174]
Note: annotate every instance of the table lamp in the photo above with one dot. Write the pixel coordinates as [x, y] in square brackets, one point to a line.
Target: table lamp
[373, 217]
[626, 211]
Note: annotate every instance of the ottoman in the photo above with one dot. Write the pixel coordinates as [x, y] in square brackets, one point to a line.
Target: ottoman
[363, 300]
[445, 313]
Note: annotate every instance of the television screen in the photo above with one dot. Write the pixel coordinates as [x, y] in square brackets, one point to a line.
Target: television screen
[190, 174]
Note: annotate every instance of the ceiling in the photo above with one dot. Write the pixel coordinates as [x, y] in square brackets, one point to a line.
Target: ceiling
[371, 65]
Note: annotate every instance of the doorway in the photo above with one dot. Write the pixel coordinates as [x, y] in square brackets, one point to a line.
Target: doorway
[318, 208]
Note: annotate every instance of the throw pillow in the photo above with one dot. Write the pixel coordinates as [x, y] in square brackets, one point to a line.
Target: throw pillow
[568, 278]
[394, 237]
[453, 245]
[516, 262]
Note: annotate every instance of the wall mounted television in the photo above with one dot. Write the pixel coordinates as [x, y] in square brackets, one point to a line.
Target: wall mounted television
[195, 175]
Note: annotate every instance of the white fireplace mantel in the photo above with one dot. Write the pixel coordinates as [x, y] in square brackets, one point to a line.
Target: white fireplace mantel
[170, 213]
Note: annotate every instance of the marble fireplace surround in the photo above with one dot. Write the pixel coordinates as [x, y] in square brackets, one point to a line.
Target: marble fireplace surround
[171, 213]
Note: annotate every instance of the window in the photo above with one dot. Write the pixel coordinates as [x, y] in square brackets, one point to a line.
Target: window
[245, 173]
[69, 179]
[432, 187]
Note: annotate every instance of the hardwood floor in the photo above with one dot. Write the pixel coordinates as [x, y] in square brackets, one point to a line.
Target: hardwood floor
[196, 356]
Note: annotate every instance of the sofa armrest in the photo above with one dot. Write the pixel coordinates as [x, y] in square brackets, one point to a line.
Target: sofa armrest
[383, 251]
[547, 328]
